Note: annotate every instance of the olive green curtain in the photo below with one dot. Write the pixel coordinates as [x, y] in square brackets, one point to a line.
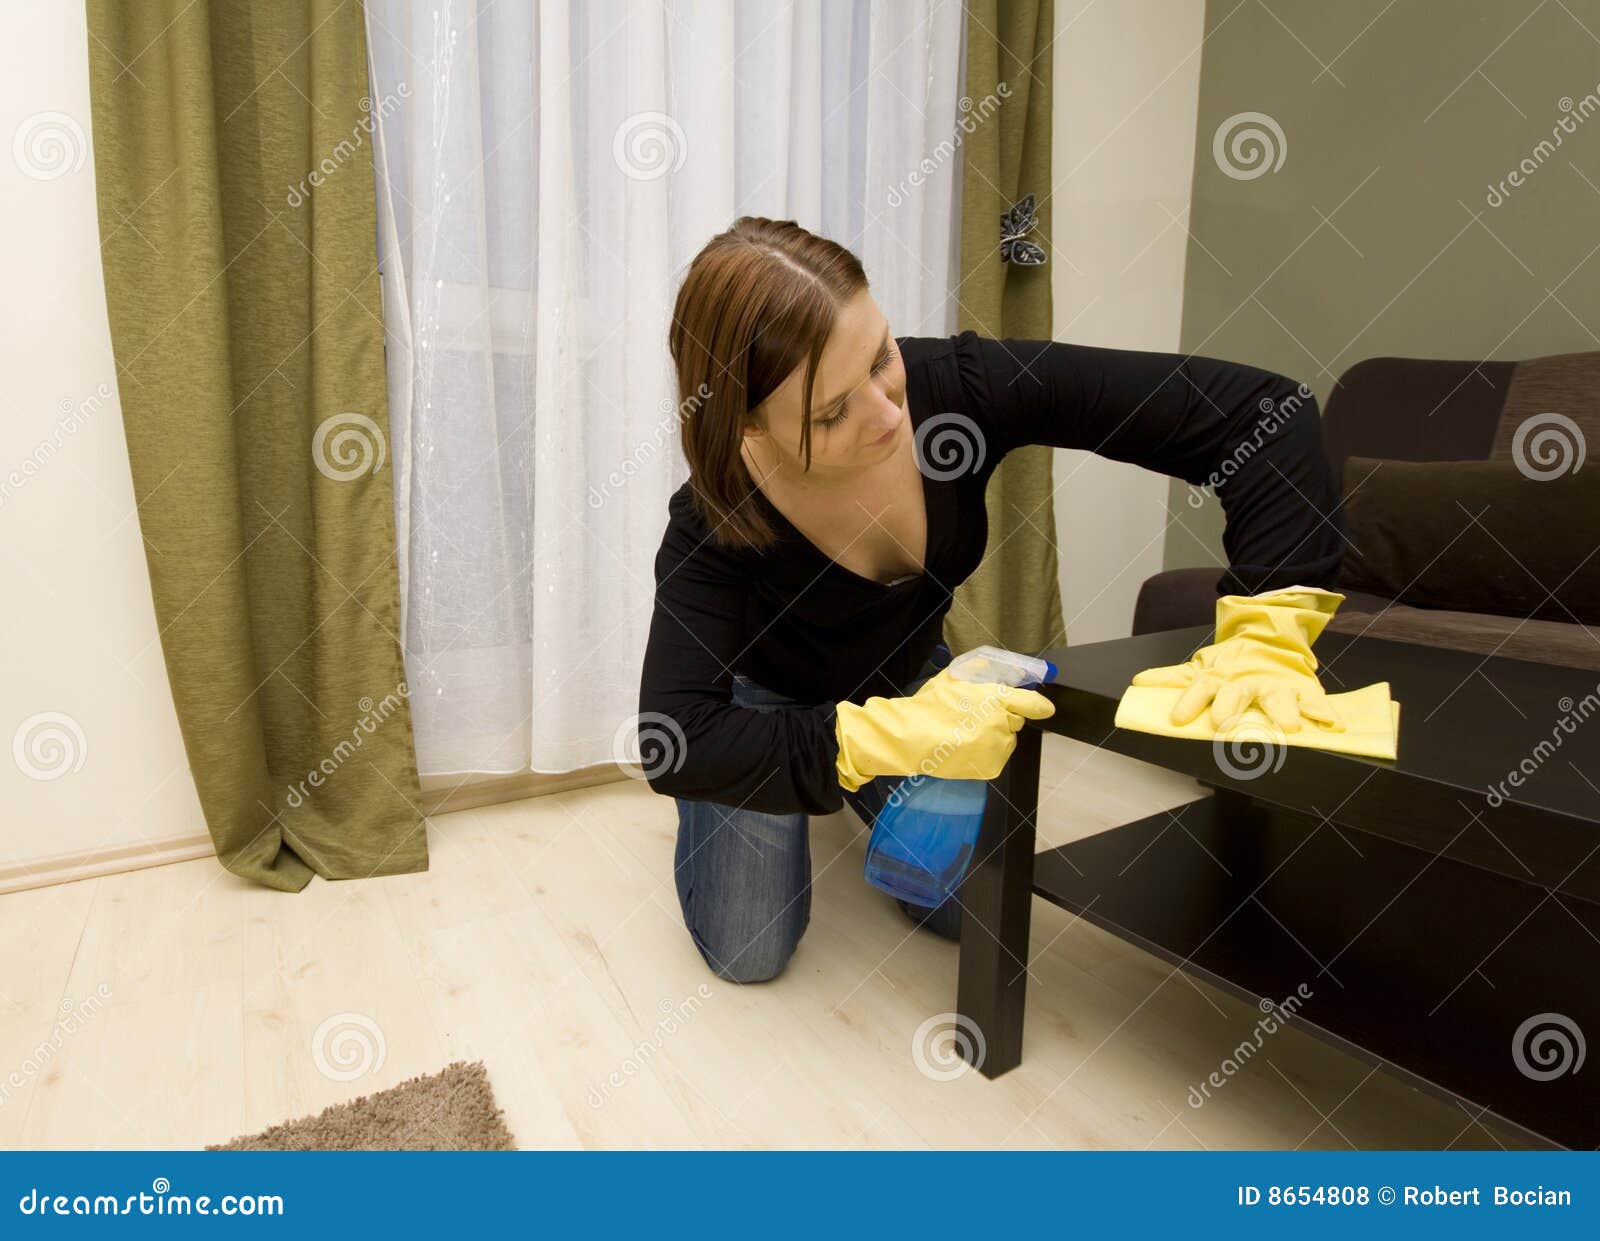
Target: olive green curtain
[1014, 598]
[234, 171]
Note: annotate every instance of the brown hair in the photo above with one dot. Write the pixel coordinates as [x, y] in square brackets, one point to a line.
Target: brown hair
[757, 300]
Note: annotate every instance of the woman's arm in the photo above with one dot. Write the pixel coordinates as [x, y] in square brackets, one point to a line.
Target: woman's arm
[1253, 435]
[694, 741]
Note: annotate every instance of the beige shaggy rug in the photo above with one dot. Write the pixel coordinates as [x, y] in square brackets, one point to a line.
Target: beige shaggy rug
[452, 1110]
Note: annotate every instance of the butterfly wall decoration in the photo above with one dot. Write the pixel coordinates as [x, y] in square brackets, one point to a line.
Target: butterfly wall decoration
[1016, 222]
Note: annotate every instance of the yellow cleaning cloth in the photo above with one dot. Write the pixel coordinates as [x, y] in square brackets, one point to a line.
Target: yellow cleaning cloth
[1371, 719]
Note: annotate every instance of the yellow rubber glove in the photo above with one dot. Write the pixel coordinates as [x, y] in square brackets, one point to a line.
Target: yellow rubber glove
[957, 730]
[1261, 654]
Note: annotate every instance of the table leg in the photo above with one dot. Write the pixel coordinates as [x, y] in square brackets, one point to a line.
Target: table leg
[996, 901]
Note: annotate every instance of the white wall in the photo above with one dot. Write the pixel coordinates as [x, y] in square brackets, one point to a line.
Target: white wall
[78, 641]
[1127, 91]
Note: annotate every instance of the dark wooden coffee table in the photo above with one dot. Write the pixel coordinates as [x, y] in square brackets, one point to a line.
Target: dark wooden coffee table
[1451, 936]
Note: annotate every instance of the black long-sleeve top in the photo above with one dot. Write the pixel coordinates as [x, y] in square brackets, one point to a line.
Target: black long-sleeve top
[794, 620]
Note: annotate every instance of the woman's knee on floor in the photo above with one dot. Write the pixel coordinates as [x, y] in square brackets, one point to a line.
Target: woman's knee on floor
[745, 957]
[744, 885]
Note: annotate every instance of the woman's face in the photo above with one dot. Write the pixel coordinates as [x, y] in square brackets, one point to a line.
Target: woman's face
[858, 401]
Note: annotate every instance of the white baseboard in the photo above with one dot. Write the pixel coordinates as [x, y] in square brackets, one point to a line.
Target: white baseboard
[20, 876]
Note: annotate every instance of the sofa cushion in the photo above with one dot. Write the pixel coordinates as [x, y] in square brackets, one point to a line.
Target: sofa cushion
[1416, 409]
[1550, 414]
[1474, 536]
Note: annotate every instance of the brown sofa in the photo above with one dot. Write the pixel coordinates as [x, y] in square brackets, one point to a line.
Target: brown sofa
[1495, 552]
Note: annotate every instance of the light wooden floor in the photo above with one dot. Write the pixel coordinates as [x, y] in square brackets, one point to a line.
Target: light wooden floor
[546, 940]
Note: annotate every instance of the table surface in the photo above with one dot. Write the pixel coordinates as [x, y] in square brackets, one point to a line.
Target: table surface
[1466, 720]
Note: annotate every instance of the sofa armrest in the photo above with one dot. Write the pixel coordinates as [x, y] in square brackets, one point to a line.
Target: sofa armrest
[1176, 599]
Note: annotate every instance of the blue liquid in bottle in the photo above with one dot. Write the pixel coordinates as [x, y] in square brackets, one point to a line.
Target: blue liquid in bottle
[923, 839]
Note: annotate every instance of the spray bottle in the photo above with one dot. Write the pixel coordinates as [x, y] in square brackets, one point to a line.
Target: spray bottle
[923, 838]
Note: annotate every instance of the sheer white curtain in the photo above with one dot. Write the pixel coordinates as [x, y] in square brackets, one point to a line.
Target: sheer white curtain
[546, 170]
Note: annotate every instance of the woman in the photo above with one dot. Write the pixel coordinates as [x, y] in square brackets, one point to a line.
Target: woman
[835, 500]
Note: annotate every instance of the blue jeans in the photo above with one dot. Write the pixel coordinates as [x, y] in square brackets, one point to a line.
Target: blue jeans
[744, 876]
